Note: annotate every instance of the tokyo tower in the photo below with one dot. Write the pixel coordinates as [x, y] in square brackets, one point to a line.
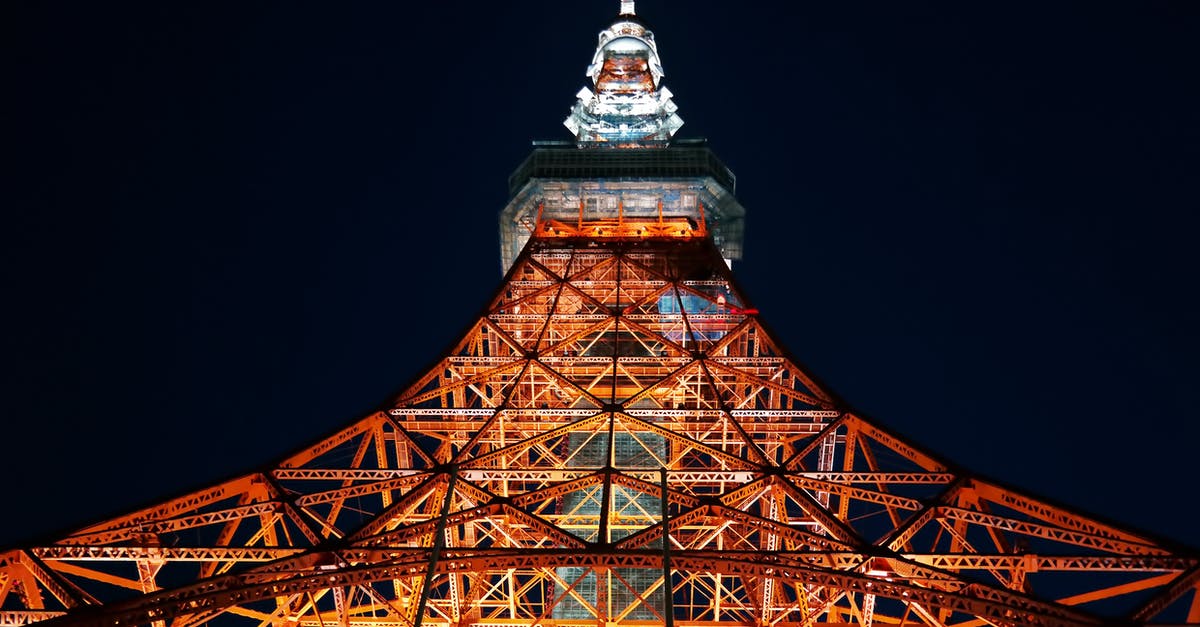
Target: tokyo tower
[617, 441]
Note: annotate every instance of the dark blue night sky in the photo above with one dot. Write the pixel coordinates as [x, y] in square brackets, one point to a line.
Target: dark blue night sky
[231, 227]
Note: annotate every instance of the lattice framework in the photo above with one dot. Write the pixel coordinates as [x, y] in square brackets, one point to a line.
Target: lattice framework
[521, 482]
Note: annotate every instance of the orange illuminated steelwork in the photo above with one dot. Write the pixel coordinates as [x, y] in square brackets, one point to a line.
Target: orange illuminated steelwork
[518, 483]
[621, 228]
[618, 441]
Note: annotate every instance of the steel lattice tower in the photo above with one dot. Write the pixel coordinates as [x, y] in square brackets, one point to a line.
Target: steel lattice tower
[617, 441]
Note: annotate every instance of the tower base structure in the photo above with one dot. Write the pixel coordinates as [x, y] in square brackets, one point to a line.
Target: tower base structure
[617, 441]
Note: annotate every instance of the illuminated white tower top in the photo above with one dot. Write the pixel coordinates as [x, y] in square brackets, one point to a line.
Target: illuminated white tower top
[623, 177]
[629, 107]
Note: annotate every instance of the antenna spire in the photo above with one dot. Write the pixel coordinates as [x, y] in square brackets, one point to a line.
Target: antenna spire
[629, 107]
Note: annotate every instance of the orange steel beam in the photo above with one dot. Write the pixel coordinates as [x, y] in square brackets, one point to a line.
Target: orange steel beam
[985, 602]
[600, 369]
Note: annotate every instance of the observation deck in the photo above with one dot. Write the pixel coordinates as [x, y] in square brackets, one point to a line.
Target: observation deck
[678, 191]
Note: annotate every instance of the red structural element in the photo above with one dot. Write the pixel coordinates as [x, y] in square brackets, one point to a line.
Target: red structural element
[520, 482]
[617, 441]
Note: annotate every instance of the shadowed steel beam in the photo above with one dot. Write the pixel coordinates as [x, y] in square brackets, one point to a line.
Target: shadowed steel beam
[438, 541]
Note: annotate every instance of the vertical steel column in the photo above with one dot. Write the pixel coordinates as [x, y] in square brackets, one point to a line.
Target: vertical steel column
[439, 539]
[668, 593]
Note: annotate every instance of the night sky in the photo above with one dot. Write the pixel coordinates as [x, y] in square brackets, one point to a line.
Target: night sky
[230, 228]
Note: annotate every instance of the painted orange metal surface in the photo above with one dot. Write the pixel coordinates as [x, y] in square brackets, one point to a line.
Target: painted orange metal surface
[618, 441]
[622, 228]
[519, 482]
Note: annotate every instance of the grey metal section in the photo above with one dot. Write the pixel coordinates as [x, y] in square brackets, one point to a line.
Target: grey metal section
[636, 509]
[683, 181]
[684, 159]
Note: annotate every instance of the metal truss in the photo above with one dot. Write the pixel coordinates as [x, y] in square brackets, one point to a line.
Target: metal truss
[618, 441]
